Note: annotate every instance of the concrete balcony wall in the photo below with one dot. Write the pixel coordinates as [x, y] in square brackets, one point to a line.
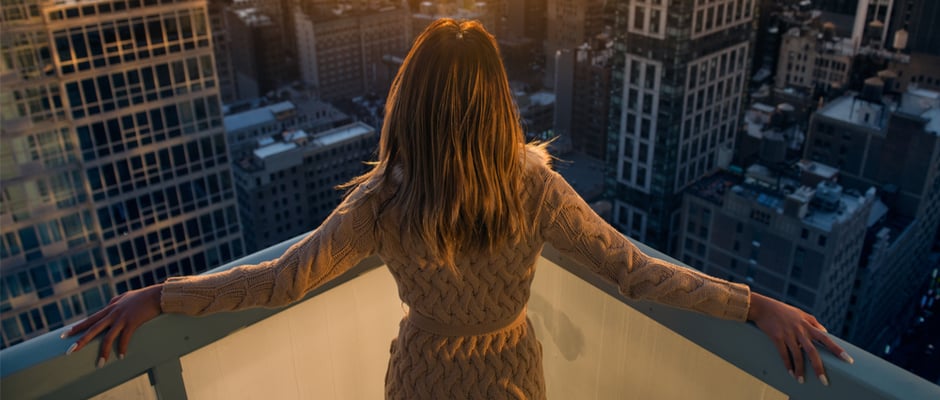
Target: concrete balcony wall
[334, 344]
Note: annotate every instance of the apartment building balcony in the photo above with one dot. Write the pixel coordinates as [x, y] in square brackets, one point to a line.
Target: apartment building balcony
[334, 345]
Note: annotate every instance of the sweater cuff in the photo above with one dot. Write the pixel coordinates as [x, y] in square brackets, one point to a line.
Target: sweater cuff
[739, 302]
[171, 297]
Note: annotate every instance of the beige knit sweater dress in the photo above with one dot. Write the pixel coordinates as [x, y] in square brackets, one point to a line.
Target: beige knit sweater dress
[466, 335]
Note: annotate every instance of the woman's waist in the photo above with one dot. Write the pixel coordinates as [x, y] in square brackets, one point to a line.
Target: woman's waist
[484, 327]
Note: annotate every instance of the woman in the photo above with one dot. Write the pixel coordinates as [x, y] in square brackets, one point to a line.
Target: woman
[459, 208]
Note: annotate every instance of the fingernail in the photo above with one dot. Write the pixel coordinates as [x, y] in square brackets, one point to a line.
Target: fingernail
[800, 380]
[71, 348]
[792, 375]
[101, 362]
[824, 379]
[847, 358]
[120, 356]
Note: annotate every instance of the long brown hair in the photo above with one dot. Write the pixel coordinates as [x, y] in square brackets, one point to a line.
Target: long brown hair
[452, 130]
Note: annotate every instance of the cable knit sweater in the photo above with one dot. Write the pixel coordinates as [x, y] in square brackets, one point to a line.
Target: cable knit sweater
[466, 335]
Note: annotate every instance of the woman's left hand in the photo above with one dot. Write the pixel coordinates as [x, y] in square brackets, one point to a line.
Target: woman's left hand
[122, 316]
[793, 331]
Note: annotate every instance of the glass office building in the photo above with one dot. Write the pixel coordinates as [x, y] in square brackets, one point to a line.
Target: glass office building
[114, 163]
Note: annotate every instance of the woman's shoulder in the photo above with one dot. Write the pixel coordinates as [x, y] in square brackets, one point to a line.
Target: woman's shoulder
[537, 159]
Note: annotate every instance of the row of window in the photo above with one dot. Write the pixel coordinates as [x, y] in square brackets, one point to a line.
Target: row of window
[40, 103]
[113, 42]
[648, 19]
[52, 315]
[55, 314]
[41, 278]
[15, 10]
[62, 190]
[76, 228]
[170, 201]
[157, 245]
[105, 7]
[720, 14]
[117, 135]
[107, 93]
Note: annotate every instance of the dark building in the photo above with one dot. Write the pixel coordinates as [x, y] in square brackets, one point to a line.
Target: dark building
[921, 20]
[288, 186]
[892, 144]
[679, 76]
[582, 106]
[351, 52]
[837, 6]
[796, 237]
[257, 53]
[573, 23]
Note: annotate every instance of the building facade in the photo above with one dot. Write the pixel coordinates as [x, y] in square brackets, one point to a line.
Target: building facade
[797, 239]
[811, 58]
[573, 23]
[893, 144]
[288, 186]
[582, 88]
[678, 85]
[352, 52]
[115, 166]
[921, 20]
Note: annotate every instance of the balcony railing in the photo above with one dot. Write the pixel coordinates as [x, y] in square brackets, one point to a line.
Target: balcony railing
[334, 345]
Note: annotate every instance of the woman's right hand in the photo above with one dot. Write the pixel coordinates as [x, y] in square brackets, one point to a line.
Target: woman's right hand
[123, 315]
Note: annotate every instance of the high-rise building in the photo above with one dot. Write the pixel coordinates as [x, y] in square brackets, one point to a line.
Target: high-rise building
[680, 78]
[351, 52]
[259, 59]
[582, 86]
[288, 186]
[872, 18]
[115, 167]
[572, 23]
[892, 144]
[794, 238]
[812, 58]
[921, 20]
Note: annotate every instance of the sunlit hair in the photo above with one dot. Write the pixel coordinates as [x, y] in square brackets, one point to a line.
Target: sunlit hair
[452, 129]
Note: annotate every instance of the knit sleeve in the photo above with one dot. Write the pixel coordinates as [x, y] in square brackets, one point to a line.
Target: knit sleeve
[342, 240]
[570, 225]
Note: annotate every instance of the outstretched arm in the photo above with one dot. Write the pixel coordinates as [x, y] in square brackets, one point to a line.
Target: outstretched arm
[573, 228]
[339, 243]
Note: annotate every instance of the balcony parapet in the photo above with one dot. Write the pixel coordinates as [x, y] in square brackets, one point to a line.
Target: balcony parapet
[38, 368]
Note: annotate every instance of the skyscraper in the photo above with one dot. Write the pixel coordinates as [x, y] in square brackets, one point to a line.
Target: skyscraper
[572, 23]
[921, 20]
[114, 163]
[675, 105]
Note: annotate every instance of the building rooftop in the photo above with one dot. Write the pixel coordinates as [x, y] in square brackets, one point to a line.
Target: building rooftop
[273, 149]
[826, 204]
[856, 111]
[257, 116]
[343, 133]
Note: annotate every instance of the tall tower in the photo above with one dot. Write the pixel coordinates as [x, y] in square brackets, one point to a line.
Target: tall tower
[572, 23]
[675, 105]
[115, 166]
